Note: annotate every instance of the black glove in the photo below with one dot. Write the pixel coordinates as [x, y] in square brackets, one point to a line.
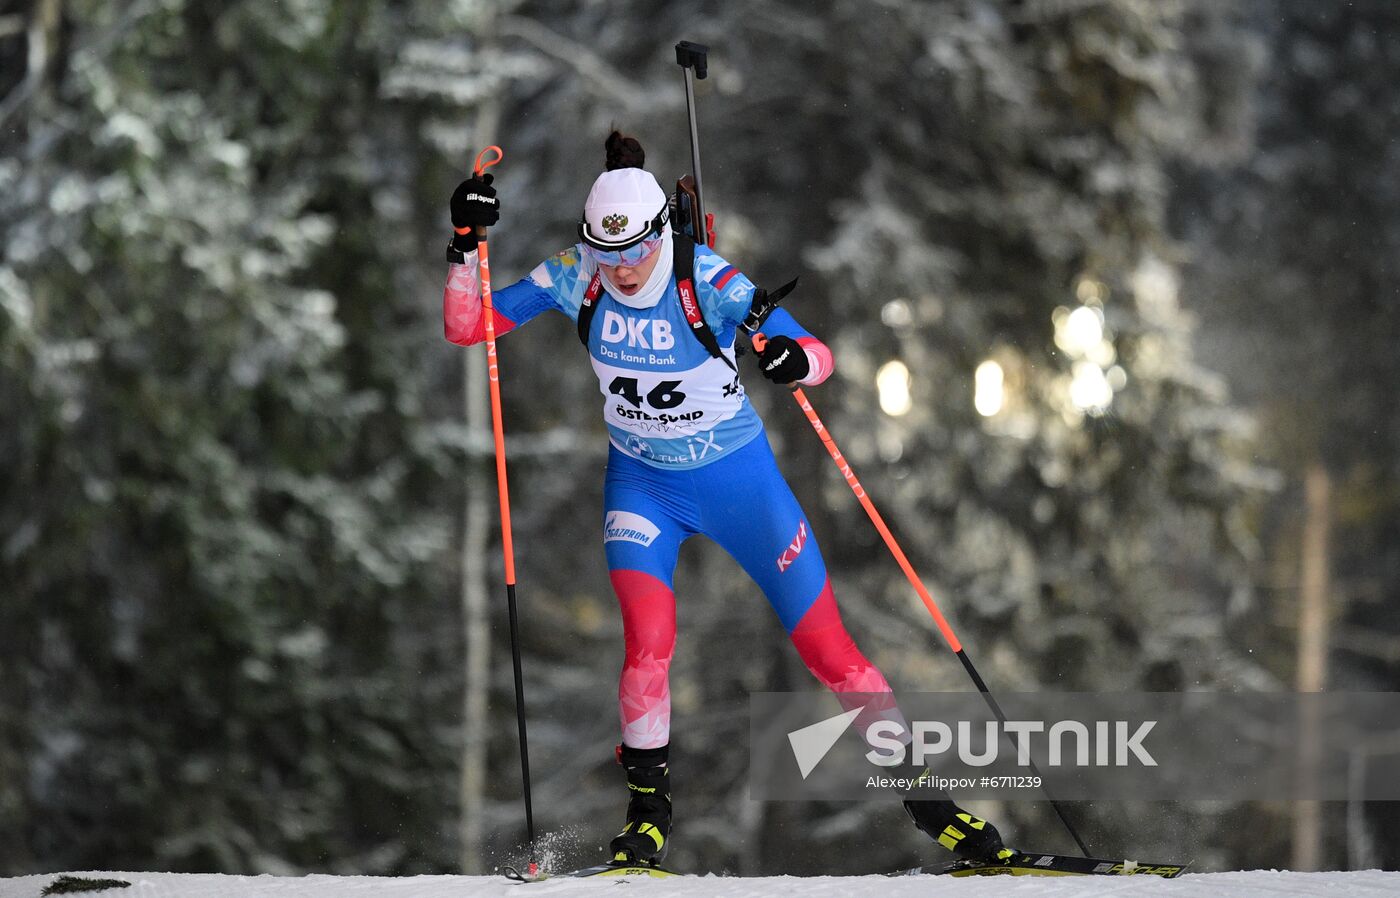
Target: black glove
[474, 205]
[783, 360]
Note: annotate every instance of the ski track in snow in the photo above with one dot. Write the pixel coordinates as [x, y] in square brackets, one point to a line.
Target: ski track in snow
[1256, 884]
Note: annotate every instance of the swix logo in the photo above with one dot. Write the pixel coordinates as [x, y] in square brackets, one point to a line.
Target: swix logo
[688, 304]
[634, 331]
[794, 548]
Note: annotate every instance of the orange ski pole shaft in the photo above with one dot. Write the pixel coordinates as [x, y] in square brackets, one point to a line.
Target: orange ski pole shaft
[494, 376]
[503, 494]
[759, 341]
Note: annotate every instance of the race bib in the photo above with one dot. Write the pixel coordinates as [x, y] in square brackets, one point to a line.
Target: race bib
[669, 404]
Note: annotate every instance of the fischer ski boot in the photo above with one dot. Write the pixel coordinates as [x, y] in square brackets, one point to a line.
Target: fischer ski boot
[969, 837]
[643, 839]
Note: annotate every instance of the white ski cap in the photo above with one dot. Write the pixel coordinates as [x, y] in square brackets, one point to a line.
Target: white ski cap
[622, 208]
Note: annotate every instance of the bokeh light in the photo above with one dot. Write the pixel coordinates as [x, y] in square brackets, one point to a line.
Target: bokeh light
[893, 381]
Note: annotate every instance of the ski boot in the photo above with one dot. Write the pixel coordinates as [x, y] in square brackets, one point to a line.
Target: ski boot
[643, 839]
[969, 837]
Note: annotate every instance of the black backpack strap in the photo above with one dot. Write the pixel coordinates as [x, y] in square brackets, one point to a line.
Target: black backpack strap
[589, 306]
[690, 301]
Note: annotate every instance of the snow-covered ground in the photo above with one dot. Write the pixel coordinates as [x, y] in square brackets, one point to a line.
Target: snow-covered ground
[1257, 884]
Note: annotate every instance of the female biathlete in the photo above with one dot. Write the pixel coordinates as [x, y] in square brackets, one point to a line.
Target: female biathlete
[688, 455]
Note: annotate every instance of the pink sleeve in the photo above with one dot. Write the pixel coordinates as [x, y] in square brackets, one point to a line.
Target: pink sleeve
[818, 360]
[461, 306]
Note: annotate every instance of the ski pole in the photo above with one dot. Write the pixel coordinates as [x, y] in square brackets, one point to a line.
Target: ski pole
[503, 492]
[759, 341]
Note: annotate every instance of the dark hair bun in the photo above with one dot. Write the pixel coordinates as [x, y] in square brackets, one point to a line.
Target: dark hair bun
[624, 152]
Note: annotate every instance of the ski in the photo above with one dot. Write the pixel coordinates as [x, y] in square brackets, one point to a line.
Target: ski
[605, 870]
[1020, 864]
[1037, 864]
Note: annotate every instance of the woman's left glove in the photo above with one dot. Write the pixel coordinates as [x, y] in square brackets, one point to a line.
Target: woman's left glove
[783, 360]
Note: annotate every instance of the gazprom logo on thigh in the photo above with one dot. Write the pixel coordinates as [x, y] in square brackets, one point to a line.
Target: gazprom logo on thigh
[624, 525]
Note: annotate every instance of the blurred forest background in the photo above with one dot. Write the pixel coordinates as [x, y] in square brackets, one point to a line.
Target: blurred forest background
[1112, 288]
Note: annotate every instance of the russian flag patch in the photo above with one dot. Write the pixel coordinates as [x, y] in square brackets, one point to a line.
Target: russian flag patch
[724, 276]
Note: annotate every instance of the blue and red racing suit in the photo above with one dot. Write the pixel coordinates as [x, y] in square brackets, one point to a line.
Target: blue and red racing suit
[688, 456]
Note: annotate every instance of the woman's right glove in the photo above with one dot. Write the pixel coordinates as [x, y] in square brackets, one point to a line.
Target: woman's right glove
[474, 205]
[783, 361]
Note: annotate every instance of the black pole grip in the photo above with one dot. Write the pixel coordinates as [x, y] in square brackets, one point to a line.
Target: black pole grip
[690, 55]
